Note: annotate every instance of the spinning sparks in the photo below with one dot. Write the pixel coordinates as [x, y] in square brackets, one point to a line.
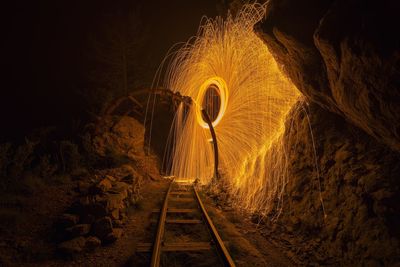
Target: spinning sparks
[249, 102]
[218, 84]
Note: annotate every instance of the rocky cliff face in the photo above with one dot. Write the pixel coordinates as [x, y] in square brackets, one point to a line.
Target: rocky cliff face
[123, 136]
[119, 140]
[348, 214]
[343, 55]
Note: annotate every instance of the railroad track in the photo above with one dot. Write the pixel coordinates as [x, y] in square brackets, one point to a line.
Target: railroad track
[185, 229]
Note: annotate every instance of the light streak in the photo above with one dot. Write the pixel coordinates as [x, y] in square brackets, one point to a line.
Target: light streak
[254, 99]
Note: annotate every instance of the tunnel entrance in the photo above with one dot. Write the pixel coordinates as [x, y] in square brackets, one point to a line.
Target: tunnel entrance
[211, 102]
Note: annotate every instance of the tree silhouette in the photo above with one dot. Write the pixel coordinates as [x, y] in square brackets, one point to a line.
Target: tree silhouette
[116, 66]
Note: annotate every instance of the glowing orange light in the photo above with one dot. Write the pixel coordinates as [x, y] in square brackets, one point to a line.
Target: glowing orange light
[219, 84]
[255, 98]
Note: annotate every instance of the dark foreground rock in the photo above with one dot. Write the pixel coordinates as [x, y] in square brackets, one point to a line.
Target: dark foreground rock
[92, 243]
[67, 220]
[78, 230]
[72, 246]
[98, 215]
[102, 227]
[114, 235]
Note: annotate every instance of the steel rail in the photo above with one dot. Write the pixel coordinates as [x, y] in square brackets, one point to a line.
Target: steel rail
[155, 256]
[228, 261]
[159, 245]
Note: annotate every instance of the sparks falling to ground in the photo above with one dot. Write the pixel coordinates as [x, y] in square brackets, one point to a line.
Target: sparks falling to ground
[229, 71]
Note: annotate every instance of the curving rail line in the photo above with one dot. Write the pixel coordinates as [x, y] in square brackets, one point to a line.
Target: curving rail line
[185, 194]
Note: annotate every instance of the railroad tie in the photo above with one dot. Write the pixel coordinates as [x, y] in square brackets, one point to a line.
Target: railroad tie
[160, 245]
[177, 199]
[173, 210]
[180, 221]
[172, 246]
[181, 193]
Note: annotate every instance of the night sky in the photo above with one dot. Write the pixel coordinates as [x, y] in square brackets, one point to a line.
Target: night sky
[45, 44]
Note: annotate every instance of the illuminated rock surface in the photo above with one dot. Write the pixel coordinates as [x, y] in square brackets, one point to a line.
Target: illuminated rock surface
[342, 55]
[359, 190]
[347, 62]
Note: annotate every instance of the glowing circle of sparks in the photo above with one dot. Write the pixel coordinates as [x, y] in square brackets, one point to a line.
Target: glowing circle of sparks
[220, 85]
[229, 61]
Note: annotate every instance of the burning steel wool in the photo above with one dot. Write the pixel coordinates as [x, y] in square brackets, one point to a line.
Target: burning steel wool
[228, 71]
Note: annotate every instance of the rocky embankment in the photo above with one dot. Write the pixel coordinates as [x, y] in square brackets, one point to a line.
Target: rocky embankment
[342, 55]
[98, 216]
[341, 200]
[345, 211]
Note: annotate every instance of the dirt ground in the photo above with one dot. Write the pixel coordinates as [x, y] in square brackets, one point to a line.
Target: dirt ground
[135, 231]
[247, 245]
[245, 241]
[26, 223]
[26, 236]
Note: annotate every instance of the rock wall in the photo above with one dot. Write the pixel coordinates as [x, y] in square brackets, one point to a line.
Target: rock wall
[101, 211]
[120, 140]
[358, 224]
[343, 55]
[120, 135]
[99, 215]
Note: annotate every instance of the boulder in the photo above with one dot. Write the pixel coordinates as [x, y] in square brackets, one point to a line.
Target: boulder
[112, 201]
[129, 174]
[124, 135]
[110, 178]
[92, 243]
[80, 173]
[97, 210]
[123, 216]
[72, 246]
[78, 230]
[89, 205]
[122, 171]
[104, 185]
[101, 187]
[128, 179]
[117, 223]
[115, 214]
[83, 187]
[66, 220]
[120, 188]
[113, 236]
[102, 227]
[79, 206]
[88, 218]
